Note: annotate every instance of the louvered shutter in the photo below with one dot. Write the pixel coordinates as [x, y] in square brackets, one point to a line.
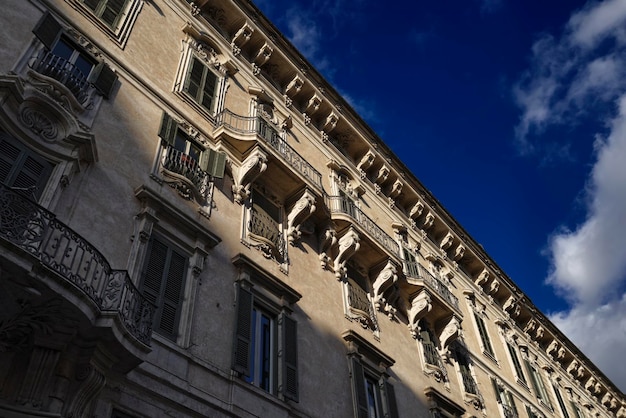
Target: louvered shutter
[533, 379]
[208, 94]
[48, 30]
[511, 402]
[516, 363]
[213, 162]
[243, 330]
[112, 11]
[496, 389]
[21, 169]
[153, 275]
[559, 399]
[390, 399]
[290, 356]
[358, 384]
[103, 79]
[173, 292]
[193, 81]
[167, 131]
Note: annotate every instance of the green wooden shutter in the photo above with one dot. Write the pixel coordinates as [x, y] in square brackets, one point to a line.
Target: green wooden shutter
[533, 378]
[173, 293]
[496, 389]
[193, 81]
[103, 79]
[243, 331]
[153, 275]
[358, 384]
[213, 162]
[482, 330]
[391, 406]
[516, 363]
[290, 356]
[48, 30]
[167, 131]
[208, 90]
[22, 169]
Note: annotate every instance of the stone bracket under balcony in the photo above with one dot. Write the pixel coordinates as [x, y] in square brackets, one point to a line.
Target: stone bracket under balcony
[300, 212]
[252, 167]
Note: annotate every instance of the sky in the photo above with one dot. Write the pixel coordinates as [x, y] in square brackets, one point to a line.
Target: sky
[513, 114]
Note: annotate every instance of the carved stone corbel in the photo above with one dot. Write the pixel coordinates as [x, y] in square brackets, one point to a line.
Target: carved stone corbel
[313, 104]
[449, 333]
[366, 162]
[250, 170]
[539, 332]
[428, 221]
[530, 326]
[294, 86]
[328, 238]
[573, 368]
[494, 286]
[383, 173]
[264, 54]
[304, 207]
[482, 278]
[552, 348]
[242, 36]
[416, 210]
[420, 306]
[383, 283]
[331, 122]
[459, 252]
[396, 189]
[446, 242]
[348, 245]
[590, 384]
[561, 353]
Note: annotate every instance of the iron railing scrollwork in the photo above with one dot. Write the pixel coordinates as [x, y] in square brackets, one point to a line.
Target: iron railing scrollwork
[468, 381]
[66, 73]
[441, 289]
[342, 204]
[359, 303]
[264, 227]
[184, 165]
[37, 231]
[271, 136]
[509, 412]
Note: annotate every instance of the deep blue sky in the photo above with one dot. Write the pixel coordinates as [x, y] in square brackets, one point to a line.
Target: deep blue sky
[455, 89]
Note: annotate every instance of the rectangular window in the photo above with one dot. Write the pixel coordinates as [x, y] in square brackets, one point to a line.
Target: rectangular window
[576, 410]
[506, 401]
[21, 169]
[374, 396]
[559, 399]
[517, 367]
[162, 283]
[109, 11]
[484, 336]
[538, 385]
[258, 348]
[532, 414]
[201, 84]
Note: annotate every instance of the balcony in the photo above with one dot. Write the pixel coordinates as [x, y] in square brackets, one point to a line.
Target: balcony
[508, 411]
[345, 206]
[72, 263]
[360, 307]
[414, 270]
[183, 167]
[66, 73]
[265, 230]
[241, 127]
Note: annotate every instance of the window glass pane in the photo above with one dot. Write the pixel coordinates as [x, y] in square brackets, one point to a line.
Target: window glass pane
[112, 11]
[372, 402]
[92, 4]
[84, 64]
[63, 49]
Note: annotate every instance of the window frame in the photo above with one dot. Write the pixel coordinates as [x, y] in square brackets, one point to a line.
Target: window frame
[538, 385]
[102, 7]
[505, 398]
[484, 338]
[516, 364]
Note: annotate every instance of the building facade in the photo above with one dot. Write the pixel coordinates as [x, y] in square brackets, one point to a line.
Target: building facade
[193, 223]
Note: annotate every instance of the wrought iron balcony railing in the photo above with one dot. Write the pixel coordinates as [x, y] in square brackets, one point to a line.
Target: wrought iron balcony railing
[182, 164]
[468, 381]
[64, 72]
[417, 271]
[342, 204]
[258, 125]
[35, 230]
[509, 412]
[359, 304]
[266, 229]
[432, 357]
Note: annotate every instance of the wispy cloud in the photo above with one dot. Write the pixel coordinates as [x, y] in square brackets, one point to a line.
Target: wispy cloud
[582, 73]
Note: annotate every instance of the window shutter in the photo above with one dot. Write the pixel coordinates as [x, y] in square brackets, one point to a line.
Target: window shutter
[208, 94]
[103, 79]
[242, 347]
[92, 4]
[559, 398]
[213, 162]
[529, 412]
[533, 378]
[390, 399]
[167, 131]
[358, 383]
[153, 275]
[290, 356]
[22, 169]
[193, 81]
[511, 402]
[112, 11]
[496, 389]
[516, 363]
[172, 295]
[48, 30]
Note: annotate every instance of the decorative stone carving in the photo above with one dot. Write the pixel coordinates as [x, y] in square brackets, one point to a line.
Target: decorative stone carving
[264, 54]
[459, 252]
[420, 306]
[242, 36]
[40, 124]
[573, 367]
[530, 326]
[382, 285]
[428, 221]
[561, 353]
[348, 245]
[482, 278]
[366, 162]
[416, 210]
[449, 333]
[590, 384]
[294, 86]
[396, 189]
[304, 207]
[331, 122]
[383, 173]
[494, 286]
[539, 332]
[313, 104]
[250, 170]
[328, 238]
[446, 242]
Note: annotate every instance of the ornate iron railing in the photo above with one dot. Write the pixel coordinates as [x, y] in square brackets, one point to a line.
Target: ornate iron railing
[342, 204]
[64, 72]
[37, 231]
[359, 303]
[441, 289]
[180, 163]
[509, 412]
[258, 125]
[468, 381]
[261, 225]
[432, 357]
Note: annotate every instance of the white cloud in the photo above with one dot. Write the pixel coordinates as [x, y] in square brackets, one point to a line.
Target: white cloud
[582, 73]
[303, 32]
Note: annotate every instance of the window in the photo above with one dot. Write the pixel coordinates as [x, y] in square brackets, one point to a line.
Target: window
[484, 336]
[109, 11]
[265, 352]
[559, 399]
[533, 413]
[538, 385]
[517, 367]
[412, 267]
[65, 61]
[162, 283]
[462, 359]
[433, 364]
[373, 394]
[265, 225]
[577, 412]
[201, 84]
[441, 406]
[505, 399]
[357, 300]
[21, 169]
